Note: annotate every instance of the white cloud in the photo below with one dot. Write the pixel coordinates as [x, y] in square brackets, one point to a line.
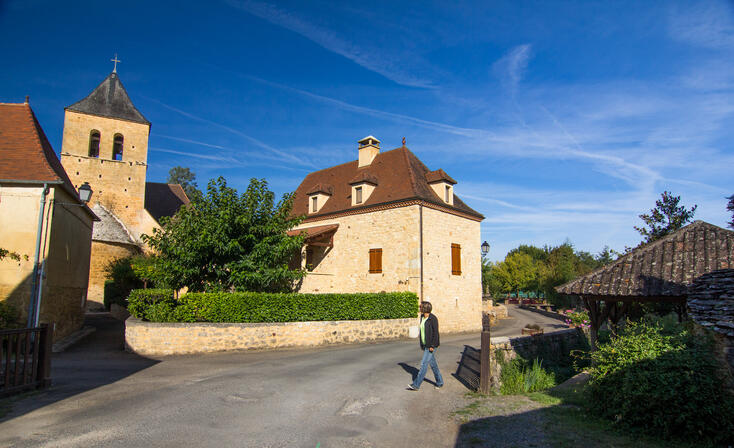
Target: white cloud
[709, 24]
[372, 59]
[511, 67]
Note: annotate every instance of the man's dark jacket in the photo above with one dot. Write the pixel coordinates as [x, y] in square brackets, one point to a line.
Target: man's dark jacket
[432, 340]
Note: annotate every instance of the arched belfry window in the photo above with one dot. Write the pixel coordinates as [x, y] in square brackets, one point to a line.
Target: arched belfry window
[117, 147]
[94, 143]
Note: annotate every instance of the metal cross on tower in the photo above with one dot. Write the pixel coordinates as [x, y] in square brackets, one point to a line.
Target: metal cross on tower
[115, 60]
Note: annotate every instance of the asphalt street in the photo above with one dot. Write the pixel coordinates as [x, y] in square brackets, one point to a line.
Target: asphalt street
[338, 396]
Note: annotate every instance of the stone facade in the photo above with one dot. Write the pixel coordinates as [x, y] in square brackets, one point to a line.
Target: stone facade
[103, 253]
[711, 305]
[456, 299]
[159, 339]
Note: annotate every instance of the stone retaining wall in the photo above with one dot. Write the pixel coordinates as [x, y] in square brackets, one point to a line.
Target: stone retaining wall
[550, 347]
[155, 339]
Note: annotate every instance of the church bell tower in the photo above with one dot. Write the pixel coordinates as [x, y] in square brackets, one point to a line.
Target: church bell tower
[105, 143]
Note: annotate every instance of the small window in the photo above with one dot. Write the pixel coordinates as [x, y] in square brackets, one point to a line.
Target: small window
[375, 261]
[117, 147]
[455, 259]
[358, 193]
[314, 204]
[448, 194]
[94, 143]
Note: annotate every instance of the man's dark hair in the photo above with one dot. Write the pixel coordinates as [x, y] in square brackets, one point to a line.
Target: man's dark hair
[426, 307]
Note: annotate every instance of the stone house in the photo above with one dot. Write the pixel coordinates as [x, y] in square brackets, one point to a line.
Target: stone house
[385, 222]
[43, 220]
[105, 143]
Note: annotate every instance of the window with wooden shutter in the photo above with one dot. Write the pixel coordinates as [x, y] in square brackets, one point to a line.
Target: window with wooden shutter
[455, 259]
[375, 261]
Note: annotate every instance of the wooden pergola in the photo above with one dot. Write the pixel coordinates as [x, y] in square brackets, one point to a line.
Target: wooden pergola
[657, 272]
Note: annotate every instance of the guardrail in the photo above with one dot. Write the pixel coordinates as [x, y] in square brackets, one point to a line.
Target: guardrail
[25, 359]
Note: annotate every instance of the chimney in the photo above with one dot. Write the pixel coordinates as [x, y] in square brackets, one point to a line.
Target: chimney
[369, 147]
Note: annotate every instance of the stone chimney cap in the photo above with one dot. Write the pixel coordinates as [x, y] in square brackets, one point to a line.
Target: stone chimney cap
[369, 140]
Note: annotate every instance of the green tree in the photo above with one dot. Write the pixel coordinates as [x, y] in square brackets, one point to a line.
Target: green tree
[229, 241]
[518, 272]
[730, 207]
[490, 282]
[665, 218]
[536, 253]
[187, 179]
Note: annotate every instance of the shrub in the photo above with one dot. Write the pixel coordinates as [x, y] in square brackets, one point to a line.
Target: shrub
[156, 305]
[519, 376]
[663, 382]
[9, 317]
[275, 307]
[122, 279]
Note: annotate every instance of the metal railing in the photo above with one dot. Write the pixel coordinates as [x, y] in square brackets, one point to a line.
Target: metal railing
[25, 359]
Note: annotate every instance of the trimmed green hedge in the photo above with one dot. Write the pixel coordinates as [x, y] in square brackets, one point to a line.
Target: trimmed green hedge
[160, 306]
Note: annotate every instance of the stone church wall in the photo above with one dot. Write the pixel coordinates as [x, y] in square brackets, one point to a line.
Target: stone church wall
[103, 254]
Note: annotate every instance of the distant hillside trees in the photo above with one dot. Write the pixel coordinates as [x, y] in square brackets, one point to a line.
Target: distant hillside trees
[529, 268]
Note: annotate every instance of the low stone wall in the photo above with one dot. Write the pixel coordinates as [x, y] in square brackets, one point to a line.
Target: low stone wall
[550, 347]
[156, 339]
[495, 312]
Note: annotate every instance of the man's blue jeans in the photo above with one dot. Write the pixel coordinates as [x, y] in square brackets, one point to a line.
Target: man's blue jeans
[429, 357]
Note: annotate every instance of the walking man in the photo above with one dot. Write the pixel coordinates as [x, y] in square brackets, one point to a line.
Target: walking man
[429, 342]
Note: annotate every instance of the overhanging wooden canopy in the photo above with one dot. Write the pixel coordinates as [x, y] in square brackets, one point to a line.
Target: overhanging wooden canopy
[317, 235]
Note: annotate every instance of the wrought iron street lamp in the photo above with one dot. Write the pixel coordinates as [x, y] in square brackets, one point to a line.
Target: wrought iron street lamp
[485, 248]
[85, 194]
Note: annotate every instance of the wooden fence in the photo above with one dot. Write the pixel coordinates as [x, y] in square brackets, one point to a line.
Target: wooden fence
[25, 359]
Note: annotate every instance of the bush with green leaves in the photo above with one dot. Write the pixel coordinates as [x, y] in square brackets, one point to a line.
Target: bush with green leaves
[271, 307]
[663, 381]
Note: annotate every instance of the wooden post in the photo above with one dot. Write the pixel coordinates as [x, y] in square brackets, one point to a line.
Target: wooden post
[44, 355]
[484, 369]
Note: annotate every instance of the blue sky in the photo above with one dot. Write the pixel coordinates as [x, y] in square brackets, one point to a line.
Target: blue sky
[559, 120]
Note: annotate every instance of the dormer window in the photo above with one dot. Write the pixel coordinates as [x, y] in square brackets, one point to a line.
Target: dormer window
[318, 196]
[363, 184]
[442, 184]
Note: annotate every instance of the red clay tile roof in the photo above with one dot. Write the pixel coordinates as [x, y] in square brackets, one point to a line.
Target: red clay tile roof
[164, 199]
[321, 188]
[313, 232]
[363, 176]
[664, 268]
[25, 153]
[438, 176]
[402, 178]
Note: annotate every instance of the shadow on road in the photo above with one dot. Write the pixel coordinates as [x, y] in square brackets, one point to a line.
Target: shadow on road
[467, 372]
[414, 372]
[96, 361]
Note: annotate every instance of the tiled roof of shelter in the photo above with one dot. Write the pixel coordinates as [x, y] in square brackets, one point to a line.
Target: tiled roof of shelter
[402, 178]
[25, 153]
[109, 100]
[110, 228]
[164, 199]
[439, 175]
[660, 269]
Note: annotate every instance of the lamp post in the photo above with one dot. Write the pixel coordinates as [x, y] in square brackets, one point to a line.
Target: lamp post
[484, 367]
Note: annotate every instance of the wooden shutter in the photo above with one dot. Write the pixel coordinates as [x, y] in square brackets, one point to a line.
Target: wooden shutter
[375, 261]
[455, 259]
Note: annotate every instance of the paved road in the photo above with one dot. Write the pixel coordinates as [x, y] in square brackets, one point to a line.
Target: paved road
[345, 396]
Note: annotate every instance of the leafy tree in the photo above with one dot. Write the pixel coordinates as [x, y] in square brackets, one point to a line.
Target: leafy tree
[606, 256]
[490, 282]
[535, 253]
[229, 241]
[518, 272]
[665, 218]
[730, 207]
[187, 179]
